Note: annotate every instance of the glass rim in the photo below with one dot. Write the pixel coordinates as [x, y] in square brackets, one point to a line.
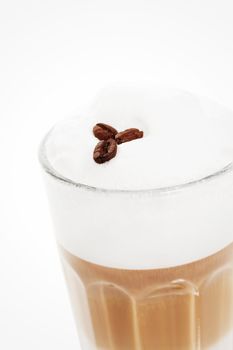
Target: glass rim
[50, 170]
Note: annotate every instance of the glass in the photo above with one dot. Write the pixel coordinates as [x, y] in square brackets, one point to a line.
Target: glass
[186, 305]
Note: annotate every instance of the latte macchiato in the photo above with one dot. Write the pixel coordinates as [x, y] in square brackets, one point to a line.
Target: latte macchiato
[141, 194]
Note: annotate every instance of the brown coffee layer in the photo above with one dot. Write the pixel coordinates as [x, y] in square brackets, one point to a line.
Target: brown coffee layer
[186, 307]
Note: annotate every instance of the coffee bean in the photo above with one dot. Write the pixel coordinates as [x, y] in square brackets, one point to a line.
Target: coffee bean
[128, 135]
[104, 131]
[104, 151]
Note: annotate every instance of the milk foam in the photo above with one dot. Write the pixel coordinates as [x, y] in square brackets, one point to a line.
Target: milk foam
[186, 139]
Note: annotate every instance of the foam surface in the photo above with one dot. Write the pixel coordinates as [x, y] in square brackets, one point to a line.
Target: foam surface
[185, 138]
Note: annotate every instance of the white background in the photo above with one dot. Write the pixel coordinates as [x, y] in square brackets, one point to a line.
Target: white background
[53, 57]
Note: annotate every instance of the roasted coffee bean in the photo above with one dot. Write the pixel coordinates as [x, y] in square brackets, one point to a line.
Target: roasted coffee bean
[128, 135]
[104, 131]
[104, 151]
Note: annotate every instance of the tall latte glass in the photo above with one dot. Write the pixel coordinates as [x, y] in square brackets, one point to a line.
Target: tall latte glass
[146, 239]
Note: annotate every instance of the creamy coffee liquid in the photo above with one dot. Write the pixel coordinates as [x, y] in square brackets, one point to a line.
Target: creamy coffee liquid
[146, 238]
[154, 309]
